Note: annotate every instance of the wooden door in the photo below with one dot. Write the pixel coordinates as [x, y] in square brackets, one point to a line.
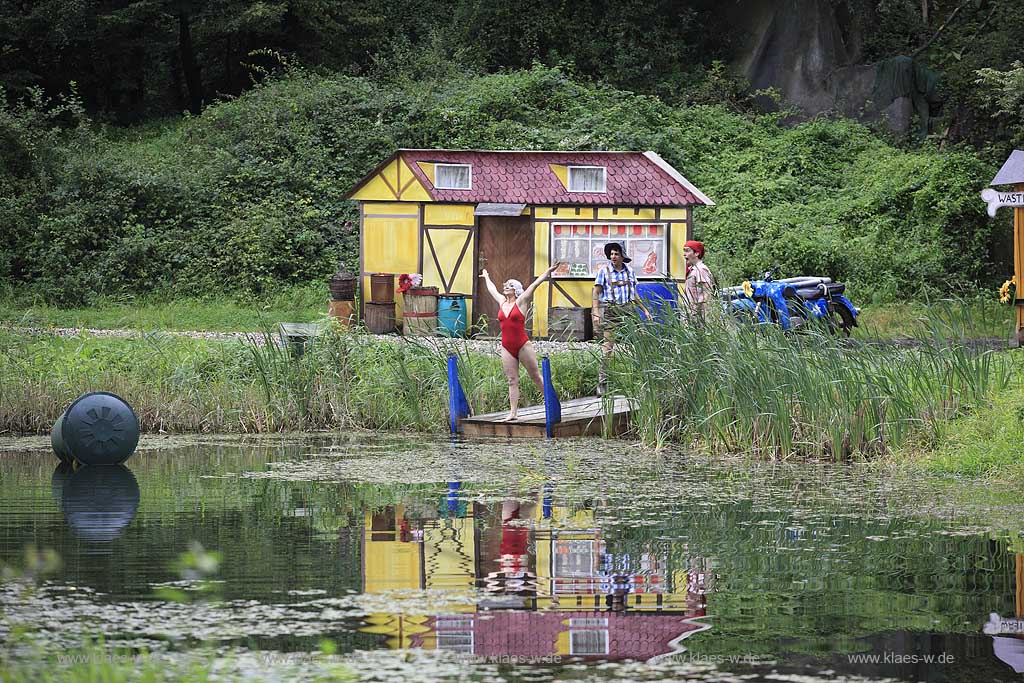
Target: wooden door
[505, 249]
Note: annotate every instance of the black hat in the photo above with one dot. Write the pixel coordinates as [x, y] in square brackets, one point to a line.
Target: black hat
[615, 245]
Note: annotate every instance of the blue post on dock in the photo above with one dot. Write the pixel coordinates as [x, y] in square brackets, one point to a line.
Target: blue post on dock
[552, 408]
[452, 499]
[458, 406]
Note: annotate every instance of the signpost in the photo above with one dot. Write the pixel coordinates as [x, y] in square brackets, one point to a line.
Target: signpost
[998, 199]
[1012, 173]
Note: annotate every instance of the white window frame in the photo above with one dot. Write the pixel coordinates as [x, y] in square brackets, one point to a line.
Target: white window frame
[604, 178]
[601, 633]
[437, 176]
[611, 237]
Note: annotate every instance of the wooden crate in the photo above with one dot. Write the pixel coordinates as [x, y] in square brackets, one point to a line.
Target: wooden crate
[570, 323]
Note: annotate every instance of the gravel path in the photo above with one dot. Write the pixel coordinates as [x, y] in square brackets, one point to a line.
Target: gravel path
[485, 346]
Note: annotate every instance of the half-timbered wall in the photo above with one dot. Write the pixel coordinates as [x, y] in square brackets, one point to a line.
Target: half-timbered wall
[440, 242]
[447, 249]
[389, 237]
[435, 240]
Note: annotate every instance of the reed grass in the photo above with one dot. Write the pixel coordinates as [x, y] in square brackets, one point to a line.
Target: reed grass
[759, 390]
[719, 387]
[344, 379]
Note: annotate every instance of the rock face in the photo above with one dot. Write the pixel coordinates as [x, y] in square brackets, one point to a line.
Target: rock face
[794, 46]
[810, 53]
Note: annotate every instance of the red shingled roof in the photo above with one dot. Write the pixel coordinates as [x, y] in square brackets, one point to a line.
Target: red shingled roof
[632, 179]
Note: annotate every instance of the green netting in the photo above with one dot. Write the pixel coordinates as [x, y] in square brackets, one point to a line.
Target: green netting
[903, 77]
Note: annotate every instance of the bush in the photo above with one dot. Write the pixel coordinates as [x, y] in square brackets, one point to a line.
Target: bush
[249, 195]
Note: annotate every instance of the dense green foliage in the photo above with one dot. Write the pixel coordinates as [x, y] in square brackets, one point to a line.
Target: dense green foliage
[249, 195]
[133, 60]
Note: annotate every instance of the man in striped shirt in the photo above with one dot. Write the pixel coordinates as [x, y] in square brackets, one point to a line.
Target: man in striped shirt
[614, 296]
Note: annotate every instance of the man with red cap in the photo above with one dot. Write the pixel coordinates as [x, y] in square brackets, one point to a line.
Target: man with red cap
[699, 287]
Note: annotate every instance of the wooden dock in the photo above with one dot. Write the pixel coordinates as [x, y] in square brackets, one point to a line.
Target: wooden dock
[580, 416]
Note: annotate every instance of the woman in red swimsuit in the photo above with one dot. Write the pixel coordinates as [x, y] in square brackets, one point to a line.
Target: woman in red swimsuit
[515, 345]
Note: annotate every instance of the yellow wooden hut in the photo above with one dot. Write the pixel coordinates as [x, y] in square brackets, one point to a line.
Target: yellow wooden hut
[448, 213]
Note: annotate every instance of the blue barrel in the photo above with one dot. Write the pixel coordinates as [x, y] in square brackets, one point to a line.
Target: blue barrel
[99, 428]
[451, 315]
[659, 298]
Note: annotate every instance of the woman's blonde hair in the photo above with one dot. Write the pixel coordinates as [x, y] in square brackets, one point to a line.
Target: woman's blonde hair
[516, 285]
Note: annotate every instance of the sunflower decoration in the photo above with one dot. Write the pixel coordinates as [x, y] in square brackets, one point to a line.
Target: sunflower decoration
[1008, 293]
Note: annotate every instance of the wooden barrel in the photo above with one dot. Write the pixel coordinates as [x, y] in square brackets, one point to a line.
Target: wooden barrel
[380, 318]
[570, 323]
[419, 312]
[342, 286]
[344, 311]
[382, 288]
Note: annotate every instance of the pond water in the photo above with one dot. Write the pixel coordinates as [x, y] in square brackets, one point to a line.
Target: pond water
[426, 559]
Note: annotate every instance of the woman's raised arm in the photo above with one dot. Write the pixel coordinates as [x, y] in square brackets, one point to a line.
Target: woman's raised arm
[528, 292]
[495, 294]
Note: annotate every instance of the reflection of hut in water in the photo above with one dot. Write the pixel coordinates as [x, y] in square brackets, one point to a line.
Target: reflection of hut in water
[391, 558]
[575, 571]
[608, 635]
[1008, 633]
[506, 563]
[552, 591]
[399, 553]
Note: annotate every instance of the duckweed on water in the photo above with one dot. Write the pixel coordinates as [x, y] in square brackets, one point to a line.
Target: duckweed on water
[798, 562]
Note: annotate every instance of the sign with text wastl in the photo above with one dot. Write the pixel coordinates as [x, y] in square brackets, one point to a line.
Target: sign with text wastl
[995, 199]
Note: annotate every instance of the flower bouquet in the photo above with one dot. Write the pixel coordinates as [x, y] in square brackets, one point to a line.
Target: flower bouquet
[407, 281]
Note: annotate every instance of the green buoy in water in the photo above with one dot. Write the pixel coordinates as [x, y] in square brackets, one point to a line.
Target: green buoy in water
[99, 428]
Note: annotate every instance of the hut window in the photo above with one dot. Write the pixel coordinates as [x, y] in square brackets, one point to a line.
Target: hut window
[589, 642]
[453, 177]
[586, 179]
[580, 247]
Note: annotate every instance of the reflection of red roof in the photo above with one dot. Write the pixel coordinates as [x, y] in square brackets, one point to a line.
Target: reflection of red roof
[633, 178]
[535, 634]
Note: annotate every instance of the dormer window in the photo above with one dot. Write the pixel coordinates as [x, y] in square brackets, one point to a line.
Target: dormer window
[453, 177]
[587, 179]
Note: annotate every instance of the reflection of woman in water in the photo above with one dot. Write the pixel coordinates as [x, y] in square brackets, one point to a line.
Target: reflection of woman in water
[514, 540]
[513, 575]
[515, 345]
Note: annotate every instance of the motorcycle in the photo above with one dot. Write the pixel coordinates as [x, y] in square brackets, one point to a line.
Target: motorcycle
[792, 302]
